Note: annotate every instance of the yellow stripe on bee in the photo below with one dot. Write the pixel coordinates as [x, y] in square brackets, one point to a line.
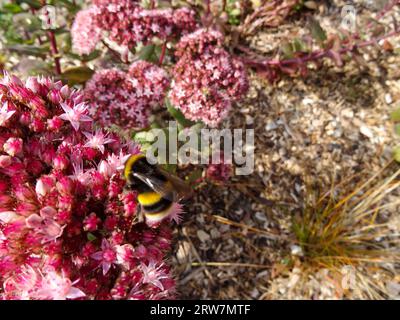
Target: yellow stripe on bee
[154, 218]
[130, 162]
[149, 198]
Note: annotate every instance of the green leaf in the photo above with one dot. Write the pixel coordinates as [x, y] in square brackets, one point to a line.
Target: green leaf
[396, 153]
[86, 58]
[287, 50]
[194, 176]
[77, 75]
[178, 115]
[11, 8]
[28, 50]
[299, 45]
[65, 3]
[147, 53]
[316, 31]
[35, 4]
[91, 237]
[395, 115]
[397, 129]
[169, 167]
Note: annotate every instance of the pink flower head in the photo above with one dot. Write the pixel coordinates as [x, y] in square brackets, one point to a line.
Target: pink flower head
[219, 172]
[127, 23]
[126, 99]
[207, 80]
[45, 225]
[63, 208]
[56, 286]
[47, 284]
[85, 33]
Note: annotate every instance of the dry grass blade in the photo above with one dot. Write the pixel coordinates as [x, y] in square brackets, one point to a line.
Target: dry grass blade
[228, 264]
[265, 233]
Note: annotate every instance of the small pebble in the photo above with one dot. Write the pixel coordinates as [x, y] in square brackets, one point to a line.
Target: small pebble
[388, 98]
[366, 131]
[271, 126]
[203, 236]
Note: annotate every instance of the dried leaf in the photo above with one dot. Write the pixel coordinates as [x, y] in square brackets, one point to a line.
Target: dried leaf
[316, 31]
[77, 75]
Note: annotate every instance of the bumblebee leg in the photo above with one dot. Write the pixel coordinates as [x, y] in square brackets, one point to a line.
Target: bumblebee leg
[139, 213]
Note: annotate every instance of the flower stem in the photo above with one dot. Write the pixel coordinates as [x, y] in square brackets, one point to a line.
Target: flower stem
[115, 53]
[162, 55]
[54, 51]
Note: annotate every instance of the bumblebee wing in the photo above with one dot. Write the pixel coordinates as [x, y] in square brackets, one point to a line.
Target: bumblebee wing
[182, 189]
[157, 185]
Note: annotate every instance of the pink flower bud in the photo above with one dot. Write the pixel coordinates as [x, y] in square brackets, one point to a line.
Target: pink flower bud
[60, 162]
[54, 124]
[13, 146]
[44, 185]
[54, 96]
[26, 209]
[91, 222]
[105, 169]
[25, 193]
[64, 216]
[65, 92]
[110, 223]
[25, 118]
[38, 125]
[66, 186]
[5, 161]
[35, 167]
[32, 84]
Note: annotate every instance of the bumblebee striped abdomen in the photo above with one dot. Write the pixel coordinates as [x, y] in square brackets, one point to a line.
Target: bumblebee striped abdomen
[153, 204]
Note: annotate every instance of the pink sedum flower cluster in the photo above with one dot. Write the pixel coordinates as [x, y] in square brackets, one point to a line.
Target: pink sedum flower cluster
[127, 23]
[206, 78]
[68, 230]
[126, 99]
[85, 32]
[219, 172]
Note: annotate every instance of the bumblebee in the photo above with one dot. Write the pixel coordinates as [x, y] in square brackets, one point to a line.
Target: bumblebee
[158, 190]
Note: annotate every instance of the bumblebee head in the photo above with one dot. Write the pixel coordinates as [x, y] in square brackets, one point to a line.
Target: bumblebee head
[129, 165]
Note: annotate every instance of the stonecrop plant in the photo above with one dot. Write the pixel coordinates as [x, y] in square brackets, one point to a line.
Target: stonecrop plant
[68, 229]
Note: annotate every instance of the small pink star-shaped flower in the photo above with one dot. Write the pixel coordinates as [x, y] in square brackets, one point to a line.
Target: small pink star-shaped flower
[75, 115]
[97, 140]
[5, 114]
[107, 256]
[153, 274]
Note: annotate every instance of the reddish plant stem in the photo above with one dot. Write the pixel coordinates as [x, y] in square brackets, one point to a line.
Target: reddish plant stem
[388, 7]
[53, 44]
[152, 4]
[54, 51]
[318, 54]
[208, 7]
[223, 5]
[163, 51]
